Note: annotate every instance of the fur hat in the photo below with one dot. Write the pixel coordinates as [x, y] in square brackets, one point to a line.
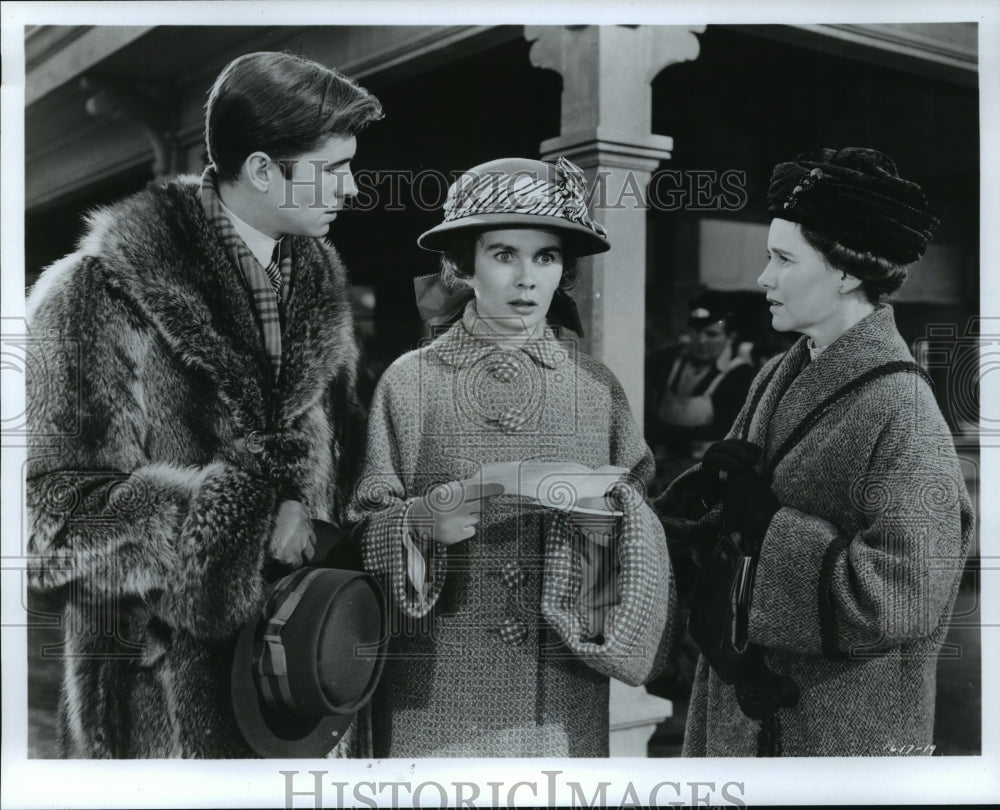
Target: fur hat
[313, 660]
[520, 193]
[856, 196]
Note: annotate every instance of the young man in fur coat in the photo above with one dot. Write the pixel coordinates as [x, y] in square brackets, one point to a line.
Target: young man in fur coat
[197, 410]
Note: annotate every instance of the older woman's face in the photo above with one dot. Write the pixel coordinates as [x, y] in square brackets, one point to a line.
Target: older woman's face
[517, 271]
[803, 290]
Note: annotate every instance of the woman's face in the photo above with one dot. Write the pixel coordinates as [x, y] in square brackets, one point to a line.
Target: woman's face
[517, 271]
[803, 290]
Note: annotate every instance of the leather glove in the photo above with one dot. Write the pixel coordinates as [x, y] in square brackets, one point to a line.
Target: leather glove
[749, 505]
[720, 461]
[762, 691]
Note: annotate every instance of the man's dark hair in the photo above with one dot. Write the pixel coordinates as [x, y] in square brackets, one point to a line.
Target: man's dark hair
[280, 104]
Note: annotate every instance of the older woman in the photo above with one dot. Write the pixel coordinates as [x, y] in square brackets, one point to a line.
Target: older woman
[510, 622]
[832, 523]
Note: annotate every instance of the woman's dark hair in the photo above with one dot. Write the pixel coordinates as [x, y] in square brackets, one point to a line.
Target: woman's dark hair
[879, 277]
[458, 262]
[281, 104]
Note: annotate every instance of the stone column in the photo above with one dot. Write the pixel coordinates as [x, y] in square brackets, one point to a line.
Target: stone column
[606, 114]
[605, 129]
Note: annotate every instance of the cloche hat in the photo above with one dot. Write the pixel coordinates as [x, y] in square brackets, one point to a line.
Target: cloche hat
[520, 193]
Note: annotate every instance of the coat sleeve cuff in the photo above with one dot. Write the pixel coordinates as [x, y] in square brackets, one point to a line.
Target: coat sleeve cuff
[187, 540]
[636, 632]
[221, 547]
[385, 550]
[784, 611]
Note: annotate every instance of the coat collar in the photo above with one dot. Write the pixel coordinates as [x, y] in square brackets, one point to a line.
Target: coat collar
[465, 343]
[794, 391]
[162, 254]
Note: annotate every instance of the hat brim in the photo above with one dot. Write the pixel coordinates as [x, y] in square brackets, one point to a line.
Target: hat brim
[579, 240]
[271, 734]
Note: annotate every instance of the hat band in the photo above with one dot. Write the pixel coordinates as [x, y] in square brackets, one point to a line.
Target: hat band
[523, 192]
[272, 664]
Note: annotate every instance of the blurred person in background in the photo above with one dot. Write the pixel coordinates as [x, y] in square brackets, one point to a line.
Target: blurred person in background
[696, 387]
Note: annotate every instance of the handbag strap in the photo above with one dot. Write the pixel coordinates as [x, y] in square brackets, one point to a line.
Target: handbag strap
[809, 422]
[817, 413]
[755, 402]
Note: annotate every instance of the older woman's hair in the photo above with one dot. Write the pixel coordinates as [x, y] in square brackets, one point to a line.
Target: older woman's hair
[458, 262]
[879, 277]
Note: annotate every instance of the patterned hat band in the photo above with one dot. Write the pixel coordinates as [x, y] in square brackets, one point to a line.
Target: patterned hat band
[520, 193]
[523, 191]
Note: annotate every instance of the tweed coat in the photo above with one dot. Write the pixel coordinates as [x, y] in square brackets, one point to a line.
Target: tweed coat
[160, 447]
[860, 567]
[496, 660]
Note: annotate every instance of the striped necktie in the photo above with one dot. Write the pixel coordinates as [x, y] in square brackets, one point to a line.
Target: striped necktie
[273, 269]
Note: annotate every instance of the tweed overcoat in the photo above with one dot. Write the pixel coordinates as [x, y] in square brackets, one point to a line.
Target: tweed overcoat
[496, 659]
[860, 566]
[160, 447]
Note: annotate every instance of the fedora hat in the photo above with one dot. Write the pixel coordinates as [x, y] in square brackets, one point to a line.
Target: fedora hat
[304, 669]
[520, 193]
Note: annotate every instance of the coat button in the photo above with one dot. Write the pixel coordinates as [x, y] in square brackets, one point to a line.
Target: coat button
[513, 574]
[504, 370]
[512, 632]
[511, 420]
[255, 442]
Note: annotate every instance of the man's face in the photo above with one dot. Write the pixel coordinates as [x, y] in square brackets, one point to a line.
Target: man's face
[313, 189]
[708, 343]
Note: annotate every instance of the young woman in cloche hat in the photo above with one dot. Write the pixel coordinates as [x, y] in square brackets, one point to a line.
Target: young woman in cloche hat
[515, 604]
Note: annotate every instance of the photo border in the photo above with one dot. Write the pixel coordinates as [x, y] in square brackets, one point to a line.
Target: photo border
[249, 783]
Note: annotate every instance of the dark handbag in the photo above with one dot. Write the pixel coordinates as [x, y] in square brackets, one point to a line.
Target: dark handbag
[720, 610]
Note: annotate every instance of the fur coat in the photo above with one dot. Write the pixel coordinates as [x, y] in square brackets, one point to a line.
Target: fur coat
[160, 448]
[497, 658]
[860, 566]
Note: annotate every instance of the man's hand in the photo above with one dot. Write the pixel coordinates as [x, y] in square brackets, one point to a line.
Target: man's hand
[449, 513]
[293, 540]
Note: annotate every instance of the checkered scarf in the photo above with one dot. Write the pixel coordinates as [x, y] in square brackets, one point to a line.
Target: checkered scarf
[266, 285]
